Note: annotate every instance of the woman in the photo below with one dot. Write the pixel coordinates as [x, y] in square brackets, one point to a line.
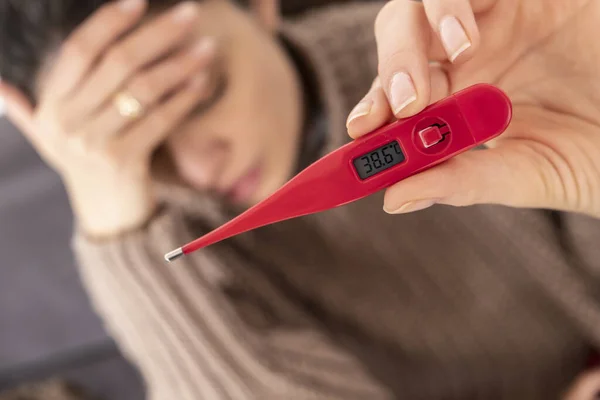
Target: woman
[165, 122]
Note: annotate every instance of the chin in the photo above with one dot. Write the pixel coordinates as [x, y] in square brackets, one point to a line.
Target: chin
[267, 187]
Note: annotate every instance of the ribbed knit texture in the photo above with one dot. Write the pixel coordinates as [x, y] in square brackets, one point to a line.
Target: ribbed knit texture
[472, 303]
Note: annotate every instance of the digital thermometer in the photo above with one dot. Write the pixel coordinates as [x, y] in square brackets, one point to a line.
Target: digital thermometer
[378, 160]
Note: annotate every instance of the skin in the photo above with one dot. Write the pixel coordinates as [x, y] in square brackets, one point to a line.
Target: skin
[172, 63]
[545, 55]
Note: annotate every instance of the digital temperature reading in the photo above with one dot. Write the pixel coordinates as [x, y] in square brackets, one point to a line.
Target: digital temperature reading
[379, 160]
[376, 161]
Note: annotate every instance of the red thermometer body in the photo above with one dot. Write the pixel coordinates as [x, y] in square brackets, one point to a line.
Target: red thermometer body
[378, 160]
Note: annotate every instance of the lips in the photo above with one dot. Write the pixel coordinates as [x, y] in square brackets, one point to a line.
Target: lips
[244, 188]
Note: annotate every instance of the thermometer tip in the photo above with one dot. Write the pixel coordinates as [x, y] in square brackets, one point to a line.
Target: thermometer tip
[174, 255]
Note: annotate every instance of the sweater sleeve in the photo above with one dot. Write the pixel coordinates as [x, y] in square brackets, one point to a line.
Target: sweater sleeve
[191, 339]
[581, 235]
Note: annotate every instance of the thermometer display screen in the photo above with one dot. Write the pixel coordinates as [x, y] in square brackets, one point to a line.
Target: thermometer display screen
[379, 160]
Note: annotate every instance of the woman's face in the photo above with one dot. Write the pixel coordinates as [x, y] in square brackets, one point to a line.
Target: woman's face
[244, 144]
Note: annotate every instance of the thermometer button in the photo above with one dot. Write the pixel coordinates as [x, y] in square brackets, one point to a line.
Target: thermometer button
[431, 136]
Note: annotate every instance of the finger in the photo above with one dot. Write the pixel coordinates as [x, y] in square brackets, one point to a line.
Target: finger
[152, 87]
[149, 133]
[268, 11]
[516, 173]
[481, 6]
[440, 82]
[18, 109]
[373, 111]
[150, 43]
[84, 46]
[454, 23]
[586, 387]
[403, 36]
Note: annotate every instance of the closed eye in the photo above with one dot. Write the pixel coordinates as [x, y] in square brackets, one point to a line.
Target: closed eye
[218, 89]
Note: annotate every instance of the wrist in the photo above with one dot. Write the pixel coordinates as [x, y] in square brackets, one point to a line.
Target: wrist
[108, 209]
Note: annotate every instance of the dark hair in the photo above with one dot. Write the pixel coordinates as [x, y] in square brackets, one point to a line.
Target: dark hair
[31, 30]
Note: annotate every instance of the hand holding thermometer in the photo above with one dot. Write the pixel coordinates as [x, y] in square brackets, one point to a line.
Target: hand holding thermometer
[376, 161]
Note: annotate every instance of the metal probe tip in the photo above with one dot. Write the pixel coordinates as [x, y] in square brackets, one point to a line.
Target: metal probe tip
[174, 255]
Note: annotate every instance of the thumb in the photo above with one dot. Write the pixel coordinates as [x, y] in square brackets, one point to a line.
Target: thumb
[517, 173]
[18, 109]
[539, 162]
[586, 387]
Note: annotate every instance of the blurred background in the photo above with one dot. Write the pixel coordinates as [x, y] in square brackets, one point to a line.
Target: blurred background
[47, 326]
[48, 329]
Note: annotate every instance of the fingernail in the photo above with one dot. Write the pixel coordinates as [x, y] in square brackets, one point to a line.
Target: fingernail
[411, 206]
[204, 47]
[363, 108]
[454, 37]
[185, 12]
[131, 5]
[402, 92]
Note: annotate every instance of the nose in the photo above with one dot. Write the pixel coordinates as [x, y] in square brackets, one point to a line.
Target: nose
[200, 164]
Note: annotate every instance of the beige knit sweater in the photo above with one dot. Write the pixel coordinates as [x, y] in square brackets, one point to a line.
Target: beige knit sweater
[473, 303]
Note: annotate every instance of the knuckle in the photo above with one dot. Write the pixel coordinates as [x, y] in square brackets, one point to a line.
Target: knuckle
[396, 58]
[109, 12]
[556, 185]
[376, 85]
[107, 17]
[435, 4]
[120, 59]
[145, 88]
[75, 50]
[162, 120]
[382, 15]
[387, 12]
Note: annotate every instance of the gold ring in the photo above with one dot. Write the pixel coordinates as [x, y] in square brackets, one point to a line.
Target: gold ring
[128, 106]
